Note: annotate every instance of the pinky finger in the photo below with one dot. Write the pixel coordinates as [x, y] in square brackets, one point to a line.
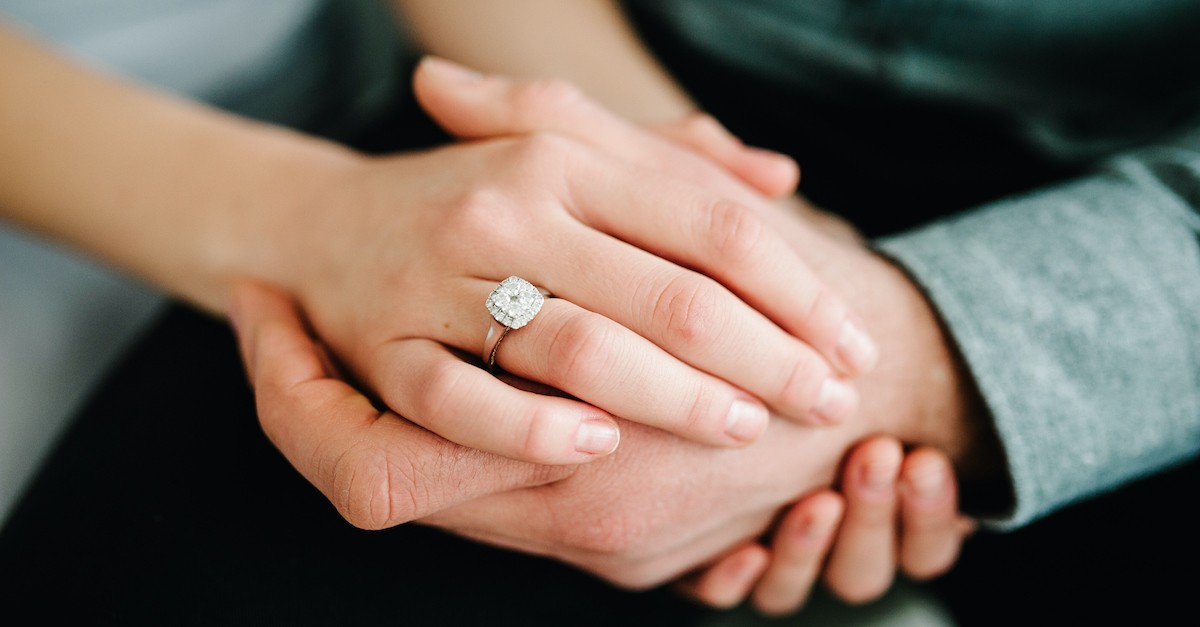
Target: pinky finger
[726, 583]
[801, 544]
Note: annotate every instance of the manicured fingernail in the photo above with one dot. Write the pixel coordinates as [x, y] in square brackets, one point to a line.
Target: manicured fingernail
[597, 436]
[880, 474]
[745, 420]
[836, 401]
[927, 481]
[855, 348]
[450, 71]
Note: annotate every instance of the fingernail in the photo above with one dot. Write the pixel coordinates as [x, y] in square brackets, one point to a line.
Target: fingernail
[880, 475]
[450, 71]
[855, 348]
[813, 528]
[835, 401]
[927, 481]
[745, 420]
[597, 436]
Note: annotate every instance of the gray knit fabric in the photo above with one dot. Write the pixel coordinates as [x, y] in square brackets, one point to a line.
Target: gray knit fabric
[1077, 308]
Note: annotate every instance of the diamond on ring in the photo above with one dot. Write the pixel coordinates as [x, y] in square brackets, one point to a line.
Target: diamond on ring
[515, 302]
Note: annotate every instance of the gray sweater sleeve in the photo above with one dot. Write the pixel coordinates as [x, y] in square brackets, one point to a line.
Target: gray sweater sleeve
[1077, 310]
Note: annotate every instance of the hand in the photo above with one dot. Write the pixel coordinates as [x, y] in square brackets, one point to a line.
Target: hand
[647, 514]
[852, 541]
[393, 266]
[641, 518]
[657, 509]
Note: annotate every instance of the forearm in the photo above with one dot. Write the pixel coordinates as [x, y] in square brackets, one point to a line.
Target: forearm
[177, 193]
[587, 42]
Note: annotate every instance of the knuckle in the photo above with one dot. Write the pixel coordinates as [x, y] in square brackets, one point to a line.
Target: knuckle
[544, 156]
[686, 310]
[539, 443]
[580, 351]
[476, 218]
[444, 382]
[824, 314]
[539, 98]
[701, 416]
[362, 481]
[736, 234]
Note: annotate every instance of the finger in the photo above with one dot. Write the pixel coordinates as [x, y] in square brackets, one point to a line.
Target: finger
[726, 583]
[376, 468]
[932, 529]
[729, 242]
[863, 562]
[700, 322]
[571, 350]
[798, 552]
[609, 366]
[723, 239]
[772, 173]
[436, 389]
[470, 105]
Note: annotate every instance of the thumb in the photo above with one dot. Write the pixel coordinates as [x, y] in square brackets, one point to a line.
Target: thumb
[469, 105]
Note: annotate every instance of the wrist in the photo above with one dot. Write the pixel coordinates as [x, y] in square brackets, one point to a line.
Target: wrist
[922, 391]
[278, 217]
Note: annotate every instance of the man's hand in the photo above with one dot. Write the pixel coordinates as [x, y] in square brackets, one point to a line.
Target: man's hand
[661, 505]
[656, 509]
[893, 508]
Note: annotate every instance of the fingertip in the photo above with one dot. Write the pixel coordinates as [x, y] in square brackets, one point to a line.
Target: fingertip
[736, 576]
[855, 349]
[875, 466]
[774, 174]
[745, 421]
[837, 401]
[597, 436]
[812, 522]
[927, 477]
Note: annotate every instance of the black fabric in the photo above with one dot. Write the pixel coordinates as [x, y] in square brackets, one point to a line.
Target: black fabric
[884, 160]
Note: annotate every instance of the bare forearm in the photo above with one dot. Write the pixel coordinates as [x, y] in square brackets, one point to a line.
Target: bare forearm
[166, 189]
[588, 42]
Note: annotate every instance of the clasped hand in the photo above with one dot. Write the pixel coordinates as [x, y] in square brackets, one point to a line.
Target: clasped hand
[681, 308]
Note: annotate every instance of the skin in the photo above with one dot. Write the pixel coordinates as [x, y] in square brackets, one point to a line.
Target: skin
[189, 198]
[644, 515]
[591, 44]
[637, 518]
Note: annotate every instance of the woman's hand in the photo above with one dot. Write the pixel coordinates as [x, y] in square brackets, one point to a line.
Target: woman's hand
[674, 306]
[893, 509]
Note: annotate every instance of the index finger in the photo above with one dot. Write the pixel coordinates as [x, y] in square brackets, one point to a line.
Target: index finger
[377, 469]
